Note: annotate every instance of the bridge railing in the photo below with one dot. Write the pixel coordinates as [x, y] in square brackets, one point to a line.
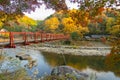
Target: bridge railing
[9, 39]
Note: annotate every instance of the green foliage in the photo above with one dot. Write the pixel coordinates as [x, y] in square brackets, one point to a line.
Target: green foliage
[115, 30]
[75, 36]
[15, 28]
[67, 42]
[113, 25]
[17, 75]
[40, 25]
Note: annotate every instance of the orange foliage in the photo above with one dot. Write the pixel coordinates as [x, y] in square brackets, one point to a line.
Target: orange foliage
[101, 9]
[112, 60]
[100, 20]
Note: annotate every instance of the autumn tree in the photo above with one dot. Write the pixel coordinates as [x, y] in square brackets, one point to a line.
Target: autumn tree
[113, 59]
[80, 20]
[98, 25]
[52, 24]
[70, 26]
[115, 30]
[4, 18]
[80, 17]
[112, 21]
[95, 7]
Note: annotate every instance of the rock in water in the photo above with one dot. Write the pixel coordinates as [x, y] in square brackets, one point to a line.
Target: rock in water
[23, 56]
[68, 71]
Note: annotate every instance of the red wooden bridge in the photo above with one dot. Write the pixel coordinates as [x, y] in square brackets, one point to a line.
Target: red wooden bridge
[10, 39]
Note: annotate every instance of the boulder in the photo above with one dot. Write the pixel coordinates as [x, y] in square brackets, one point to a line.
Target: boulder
[69, 72]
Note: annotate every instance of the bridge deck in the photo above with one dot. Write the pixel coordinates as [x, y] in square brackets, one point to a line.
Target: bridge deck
[9, 39]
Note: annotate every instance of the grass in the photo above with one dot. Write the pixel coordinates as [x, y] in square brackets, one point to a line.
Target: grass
[17, 75]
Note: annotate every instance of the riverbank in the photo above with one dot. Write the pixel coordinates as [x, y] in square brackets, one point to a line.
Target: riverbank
[72, 50]
[85, 48]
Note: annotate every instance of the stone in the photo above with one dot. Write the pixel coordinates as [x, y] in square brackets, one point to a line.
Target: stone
[69, 71]
[23, 56]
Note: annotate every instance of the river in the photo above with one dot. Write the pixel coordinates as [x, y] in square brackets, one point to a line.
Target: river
[46, 61]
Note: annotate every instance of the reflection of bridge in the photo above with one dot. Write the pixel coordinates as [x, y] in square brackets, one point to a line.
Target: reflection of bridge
[9, 39]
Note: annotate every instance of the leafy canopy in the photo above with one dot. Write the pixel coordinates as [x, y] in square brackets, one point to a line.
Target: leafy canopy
[19, 6]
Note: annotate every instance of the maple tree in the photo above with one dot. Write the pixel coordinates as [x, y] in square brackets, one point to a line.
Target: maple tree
[80, 17]
[19, 6]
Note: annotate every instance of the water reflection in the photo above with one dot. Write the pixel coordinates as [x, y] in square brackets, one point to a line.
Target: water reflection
[88, 64]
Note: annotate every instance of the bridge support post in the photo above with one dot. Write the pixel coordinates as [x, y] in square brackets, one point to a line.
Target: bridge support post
[41, 37]
[25, 39]
[49, 37]
[46, 36]
[35, 37]
[11, 44]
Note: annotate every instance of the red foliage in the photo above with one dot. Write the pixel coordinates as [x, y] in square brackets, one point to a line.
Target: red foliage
[101, 9]
[100, 20]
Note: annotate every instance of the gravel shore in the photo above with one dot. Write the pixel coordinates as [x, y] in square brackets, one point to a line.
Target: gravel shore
[73, 50]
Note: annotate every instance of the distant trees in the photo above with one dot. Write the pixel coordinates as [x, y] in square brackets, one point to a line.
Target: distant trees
[80, 22]
[93, 16]
[19, 24]
[67, 22]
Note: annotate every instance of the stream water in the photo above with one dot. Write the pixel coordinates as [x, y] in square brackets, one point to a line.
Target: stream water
[46, 61]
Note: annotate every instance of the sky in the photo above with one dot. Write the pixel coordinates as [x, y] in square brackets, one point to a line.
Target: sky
[42, 13]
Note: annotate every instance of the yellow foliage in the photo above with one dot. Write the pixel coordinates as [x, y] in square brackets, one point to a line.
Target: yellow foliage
[52, 23]
[11, 19]
[73, 11]
[109, 23]
[69, 25]
[82, 30]
[115, 29]
[59, 12]
[79, 17]
[26, 21]
[1, 24]
[5, 35]
[3, 17]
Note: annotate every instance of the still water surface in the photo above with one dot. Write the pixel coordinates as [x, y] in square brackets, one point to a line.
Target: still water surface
[93, 65]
